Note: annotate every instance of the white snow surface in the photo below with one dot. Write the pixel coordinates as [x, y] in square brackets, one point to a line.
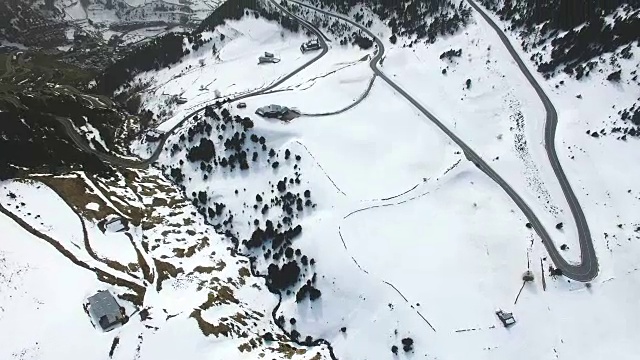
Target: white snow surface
[410, 239]
[454, 245]
[39, 286]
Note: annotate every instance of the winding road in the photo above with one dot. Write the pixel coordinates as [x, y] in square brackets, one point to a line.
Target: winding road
[588, 268]
[585, 271]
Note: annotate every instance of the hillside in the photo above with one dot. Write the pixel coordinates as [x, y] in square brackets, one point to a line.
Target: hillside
[436, 162]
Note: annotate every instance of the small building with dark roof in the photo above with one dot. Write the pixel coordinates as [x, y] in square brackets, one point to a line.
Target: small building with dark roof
[104, 308]
[506, 318]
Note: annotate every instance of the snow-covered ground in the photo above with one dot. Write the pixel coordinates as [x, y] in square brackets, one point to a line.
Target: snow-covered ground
[203, 77]
[454, 245]
[41, 296]
[598, 168]
[499, 115]
[408, 238]
[200, 299]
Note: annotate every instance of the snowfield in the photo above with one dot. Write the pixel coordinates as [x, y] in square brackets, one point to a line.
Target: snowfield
[178, 273]
[499, 115]
[401, 236]
[203, 77]
[454, 244]
[38, 286]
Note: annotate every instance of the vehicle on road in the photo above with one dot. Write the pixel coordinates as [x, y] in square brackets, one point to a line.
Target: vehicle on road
[310, 45]
[241, 105]
[272, 111]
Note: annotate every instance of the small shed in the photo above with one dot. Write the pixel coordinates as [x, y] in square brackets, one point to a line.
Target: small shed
[104, 307]
[116, 223]
[506, 318]
[265, 59]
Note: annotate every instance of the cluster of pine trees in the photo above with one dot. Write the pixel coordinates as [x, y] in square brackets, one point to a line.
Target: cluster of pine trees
[426, 19]
[594, 37]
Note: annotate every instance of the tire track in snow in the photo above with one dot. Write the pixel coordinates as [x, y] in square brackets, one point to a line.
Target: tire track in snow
[320, 166]
[344, 243]
[363, 269]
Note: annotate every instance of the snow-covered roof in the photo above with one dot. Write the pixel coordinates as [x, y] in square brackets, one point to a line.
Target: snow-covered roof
[273, 108]
[104, 306]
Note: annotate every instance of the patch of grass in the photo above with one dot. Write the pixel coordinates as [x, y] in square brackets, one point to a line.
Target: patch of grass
[202, 243]
[159, 202]
[76, 192]
[71, 75]
[139, 291]
[165, 271]
[240, 319]
[220, 265]
[222, 295]
[208, 328]
[244, 272]
[288, 351]
[182, 253]
[146, 270]
[244, 347]
[114, 344]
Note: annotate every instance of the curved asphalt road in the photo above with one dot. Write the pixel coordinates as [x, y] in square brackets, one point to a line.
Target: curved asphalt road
[588, 268]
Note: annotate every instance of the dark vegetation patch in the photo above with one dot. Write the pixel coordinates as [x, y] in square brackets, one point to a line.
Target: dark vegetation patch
[588, 35]
[114, 344]
[33, 141]
[449, 54]
[424, 19]
[168, 49]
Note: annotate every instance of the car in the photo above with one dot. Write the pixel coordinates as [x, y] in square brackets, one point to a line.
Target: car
[241, 105]
[310, 45]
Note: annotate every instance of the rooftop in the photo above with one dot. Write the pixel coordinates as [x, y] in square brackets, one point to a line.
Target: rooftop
[105, 308]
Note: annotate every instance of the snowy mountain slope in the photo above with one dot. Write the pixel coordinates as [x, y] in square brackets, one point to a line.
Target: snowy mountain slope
[597, 162]
[41, 295]
[349, 299]
[202, 77]
[369, 226]
[187, 283]
[498, 114]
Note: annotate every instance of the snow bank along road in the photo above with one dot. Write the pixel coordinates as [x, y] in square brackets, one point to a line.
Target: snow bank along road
[588, 268]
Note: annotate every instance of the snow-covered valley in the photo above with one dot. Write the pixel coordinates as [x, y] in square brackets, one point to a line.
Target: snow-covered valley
[358, 223]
